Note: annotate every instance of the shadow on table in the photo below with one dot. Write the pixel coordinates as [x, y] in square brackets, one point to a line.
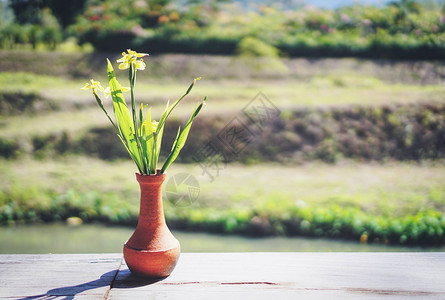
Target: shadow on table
[123, 279]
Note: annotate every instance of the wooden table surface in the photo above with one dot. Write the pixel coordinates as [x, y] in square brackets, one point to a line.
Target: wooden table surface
[276, 276]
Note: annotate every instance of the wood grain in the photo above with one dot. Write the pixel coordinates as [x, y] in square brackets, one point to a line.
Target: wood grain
[276, 276]
[43, 276]
[288, 275]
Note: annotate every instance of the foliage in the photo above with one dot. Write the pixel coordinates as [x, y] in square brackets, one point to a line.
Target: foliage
[28, 11]
[424, 228]
[405, 207]
[406, 132]
[253, 47]
[402, 29]
[17, 102]
[372, 133]
[399, 30]
[141, 137]
[44, 30]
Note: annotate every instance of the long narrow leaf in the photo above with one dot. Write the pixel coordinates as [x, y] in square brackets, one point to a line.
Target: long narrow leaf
[159, 142]
[118, 131]
[181, 139]
[149, 140]
[176, 139]
[141, 115]
[132, 77]
[120, 106]
[168, 111]
[160, 131]
[154, 161]
[143, 139]
[123, 116]
[132, 157]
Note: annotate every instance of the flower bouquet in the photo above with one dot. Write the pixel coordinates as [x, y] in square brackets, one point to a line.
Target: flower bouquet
[152, 250]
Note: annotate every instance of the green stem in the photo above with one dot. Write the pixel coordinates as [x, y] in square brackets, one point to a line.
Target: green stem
[101, 105]
[154, 162]
[132, 78]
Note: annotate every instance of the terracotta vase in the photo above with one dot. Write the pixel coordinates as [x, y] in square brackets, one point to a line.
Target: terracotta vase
[152, 251]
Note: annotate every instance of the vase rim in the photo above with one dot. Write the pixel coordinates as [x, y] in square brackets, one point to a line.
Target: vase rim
[158, 173]
[152, 178]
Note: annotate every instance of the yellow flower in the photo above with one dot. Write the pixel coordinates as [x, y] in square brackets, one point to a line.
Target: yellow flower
[146, 123]
[107, 91]
[93, 85]
[131, 58]
[154, 125]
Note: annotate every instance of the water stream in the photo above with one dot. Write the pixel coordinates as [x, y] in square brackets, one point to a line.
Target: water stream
[60, 238]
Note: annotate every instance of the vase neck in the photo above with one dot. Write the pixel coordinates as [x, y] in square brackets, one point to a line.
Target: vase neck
[151, 207]
[151, 233]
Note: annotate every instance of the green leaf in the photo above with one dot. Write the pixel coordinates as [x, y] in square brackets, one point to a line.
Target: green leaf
[123, 117]
[131, 154]
[181, 138]
[168, 110]
[150, 143]
[141, 115]
[143, 139]
[176, 138]
[159, 141]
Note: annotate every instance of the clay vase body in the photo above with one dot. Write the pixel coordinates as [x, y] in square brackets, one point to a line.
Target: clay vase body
[152, 251]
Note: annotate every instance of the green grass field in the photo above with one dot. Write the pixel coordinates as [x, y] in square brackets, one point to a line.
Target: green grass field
[391, 189]
[76, 109]
[394, 203]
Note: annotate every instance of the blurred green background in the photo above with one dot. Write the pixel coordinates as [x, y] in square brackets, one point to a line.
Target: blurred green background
[356, 153]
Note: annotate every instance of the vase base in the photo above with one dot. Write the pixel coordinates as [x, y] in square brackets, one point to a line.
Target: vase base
[151, 264]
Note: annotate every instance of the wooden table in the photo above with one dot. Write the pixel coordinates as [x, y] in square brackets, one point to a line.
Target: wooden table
[276, 276]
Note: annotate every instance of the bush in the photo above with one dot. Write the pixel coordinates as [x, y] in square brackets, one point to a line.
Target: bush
[361, 31]
[164, 27]
[51, 36]
[9, 148]
[35, 26]
[16, 102]
[426, 228]
[35, 34]
[401, 132]
[12, 35]
[253, 47]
